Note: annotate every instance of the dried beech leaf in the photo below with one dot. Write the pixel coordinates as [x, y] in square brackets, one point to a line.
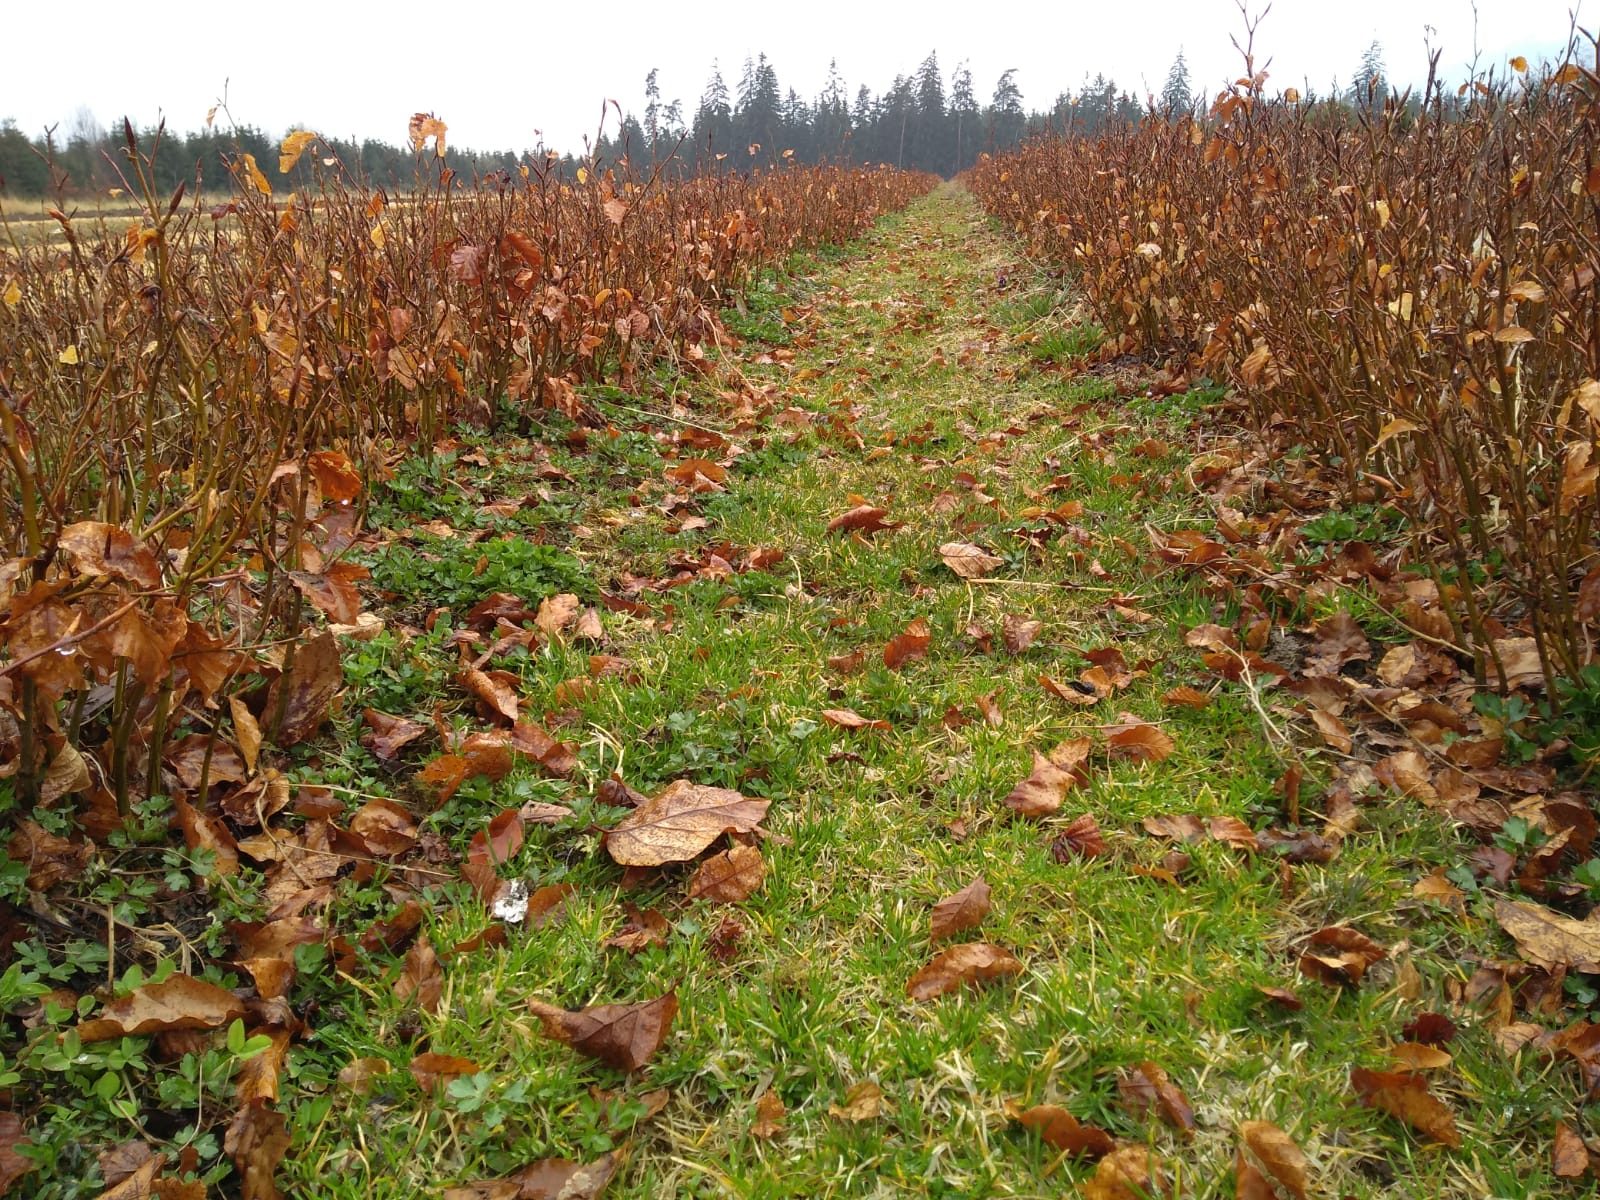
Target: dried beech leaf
[971, 963]
[624, 1036]
[1147, 1087]
[1405, 1095]
[1278, 1153]
[769, 1115]
[969, 561]
[1128, 1173]
[680, 822]
[964, 910]
[1040, 794]
[727, 878]
[863, 1102]
[1549, 939]
[177, 1002]
[1059, 1128]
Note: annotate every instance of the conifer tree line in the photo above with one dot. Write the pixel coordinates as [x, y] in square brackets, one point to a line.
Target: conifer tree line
[925, 121]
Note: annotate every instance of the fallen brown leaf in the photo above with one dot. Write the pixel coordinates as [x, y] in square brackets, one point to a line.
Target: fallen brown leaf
[969, 561]
[1549, 939]
[911, 644]
[13, 1166]
[863, 1102]
[969, 963]
[1405, 1095]
[1019, 632]
[845, 718]
[1278, 1153]
[1059, 1128]
[680, 822]
[1339, 955]
[421, 977]
[964, 910]
[177, 1002]
[1146, 1087]
[1081, 837]
[547, 1179]
[624, 1036]
[769, 1115]
[1569, 1157]
[640, 931]
[430, 1069]
[727, 878]
[1040, 794]
[1128, 1173]
[256, 1141]
[1141, 742]
[863, 518]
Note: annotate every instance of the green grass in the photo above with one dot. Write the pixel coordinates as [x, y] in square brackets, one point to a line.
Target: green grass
[811, 1000]
[869, 829]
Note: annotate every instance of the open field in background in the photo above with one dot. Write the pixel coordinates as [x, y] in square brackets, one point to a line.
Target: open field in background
[771, 685]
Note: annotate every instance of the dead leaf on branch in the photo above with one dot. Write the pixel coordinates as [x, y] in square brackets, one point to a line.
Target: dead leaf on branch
[624, 1036]
[970, 963]
[964, 910]
[680, 823]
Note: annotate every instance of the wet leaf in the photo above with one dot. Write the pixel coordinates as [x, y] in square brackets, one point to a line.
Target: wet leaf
[727, 878]
[969, 561]
[863, 1102]
[499, 841]
[1278, 1153]
[680, 823]
[624, 1036]
[970, 963]
[769, 1115]
[257, 1077]
[97, 549]
[1147, 1087]
[964, 910]
[1549, 939]
[304, 693]
[1059, 1128]
[177, 1002]
[338, 479]
[256, 1142]
[1405, 1095]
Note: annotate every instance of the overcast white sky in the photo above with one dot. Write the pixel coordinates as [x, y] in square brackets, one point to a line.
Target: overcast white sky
[500, 75]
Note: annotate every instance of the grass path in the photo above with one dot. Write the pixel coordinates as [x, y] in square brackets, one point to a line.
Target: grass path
[906, 374]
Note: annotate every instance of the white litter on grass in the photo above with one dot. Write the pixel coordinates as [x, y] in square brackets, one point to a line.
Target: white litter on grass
[511, 903]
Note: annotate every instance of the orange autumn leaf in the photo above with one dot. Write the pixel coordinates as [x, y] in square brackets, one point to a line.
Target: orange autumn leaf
[624, 1036]
[1404, 1095]
[971, 963]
